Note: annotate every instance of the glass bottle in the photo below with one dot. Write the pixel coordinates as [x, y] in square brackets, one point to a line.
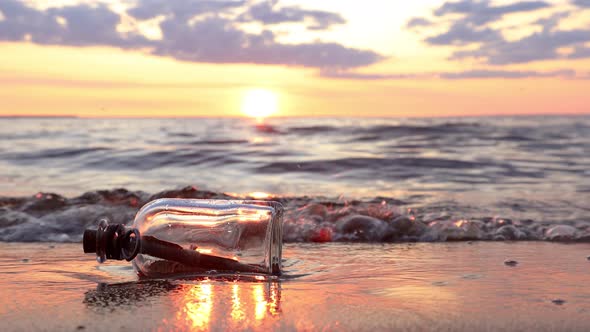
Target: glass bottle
[172, 237]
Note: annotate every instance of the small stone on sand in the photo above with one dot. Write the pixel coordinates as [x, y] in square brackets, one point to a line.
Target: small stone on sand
[510, 262]
[558, 301]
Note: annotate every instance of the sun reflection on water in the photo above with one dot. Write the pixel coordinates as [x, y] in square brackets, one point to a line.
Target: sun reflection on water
[259, 140]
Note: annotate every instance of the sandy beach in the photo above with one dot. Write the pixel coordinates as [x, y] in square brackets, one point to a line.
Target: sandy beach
[344, 287]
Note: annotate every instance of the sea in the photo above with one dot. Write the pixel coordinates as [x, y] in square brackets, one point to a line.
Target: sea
[340, 179]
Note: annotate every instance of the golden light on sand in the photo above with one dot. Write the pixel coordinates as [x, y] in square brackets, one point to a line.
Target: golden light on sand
[198, 306]
[260, 301]
[275, 299]
[237, 312]
[260, 103]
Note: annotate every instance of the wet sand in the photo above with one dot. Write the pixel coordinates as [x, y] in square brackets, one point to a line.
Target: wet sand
[416, 287]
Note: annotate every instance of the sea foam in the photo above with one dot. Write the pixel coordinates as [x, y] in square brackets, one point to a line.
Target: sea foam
[49, 217]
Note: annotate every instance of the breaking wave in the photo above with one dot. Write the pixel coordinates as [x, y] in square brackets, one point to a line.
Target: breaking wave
[49, 217]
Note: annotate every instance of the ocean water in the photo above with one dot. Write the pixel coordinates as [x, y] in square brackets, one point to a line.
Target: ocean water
[347, 179]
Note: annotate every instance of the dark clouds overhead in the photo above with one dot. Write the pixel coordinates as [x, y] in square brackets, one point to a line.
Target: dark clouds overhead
[81, 25]
[192, 30]
[460, 33]
[483, 74]
[180, 9]
[20, 20]
[348, 75]
[217, 40]
[580, 53]
[418, 22]
[468, 74]
[482, 12]
[85, 25]
[472, 34]
[538, 46]
[582, 3]
[268, 12]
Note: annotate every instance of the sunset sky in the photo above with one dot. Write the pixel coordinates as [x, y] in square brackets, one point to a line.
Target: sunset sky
[295, 58]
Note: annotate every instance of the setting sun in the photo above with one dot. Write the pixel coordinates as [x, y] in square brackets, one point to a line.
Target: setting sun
[259, 103]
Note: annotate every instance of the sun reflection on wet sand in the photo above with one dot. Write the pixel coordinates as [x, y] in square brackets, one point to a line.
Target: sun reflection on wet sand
[248, 304]
[198, 306]
[261, 304]
[237, 314]
[275, 299]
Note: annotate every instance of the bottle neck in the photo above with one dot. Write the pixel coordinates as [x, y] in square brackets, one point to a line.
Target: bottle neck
[112, 242]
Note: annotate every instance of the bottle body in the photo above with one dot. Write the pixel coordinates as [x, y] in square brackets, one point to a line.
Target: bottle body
[246, 232]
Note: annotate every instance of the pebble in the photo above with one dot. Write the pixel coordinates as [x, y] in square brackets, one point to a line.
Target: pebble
[510, 262]
[558, 301]
[25, 260]
[588, 258]
[509, 232]
[322, 235]
[362, 228]
[561, 233]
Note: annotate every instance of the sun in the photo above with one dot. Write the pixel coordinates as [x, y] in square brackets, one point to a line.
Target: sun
[260, 103]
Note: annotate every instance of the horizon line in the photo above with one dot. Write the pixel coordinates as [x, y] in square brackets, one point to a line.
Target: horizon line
[68, 116]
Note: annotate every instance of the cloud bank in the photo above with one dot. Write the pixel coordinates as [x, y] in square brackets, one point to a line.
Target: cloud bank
[192, 30]
[220, 31]
[468, 74]
[472, 34]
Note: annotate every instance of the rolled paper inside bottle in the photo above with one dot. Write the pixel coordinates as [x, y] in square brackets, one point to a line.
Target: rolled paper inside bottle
[192, 258]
